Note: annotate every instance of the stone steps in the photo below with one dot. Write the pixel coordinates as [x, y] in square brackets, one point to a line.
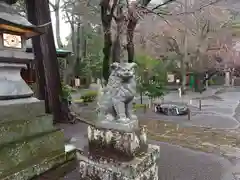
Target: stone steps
[29, 143]
[13, 154]
[13, 130]
[13, 110]
[40, 165]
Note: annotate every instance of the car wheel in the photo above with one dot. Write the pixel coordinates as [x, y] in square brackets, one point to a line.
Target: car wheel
[165, 111]
[173, 111]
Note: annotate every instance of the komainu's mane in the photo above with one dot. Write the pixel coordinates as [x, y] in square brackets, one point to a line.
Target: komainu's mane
[114, 81]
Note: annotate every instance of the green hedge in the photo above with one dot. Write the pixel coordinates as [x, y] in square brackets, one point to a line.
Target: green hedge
[139, 106]
[89, 96]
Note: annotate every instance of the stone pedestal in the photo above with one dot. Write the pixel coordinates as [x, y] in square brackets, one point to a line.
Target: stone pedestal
[118, 155]
[29, 143]
[11, 83]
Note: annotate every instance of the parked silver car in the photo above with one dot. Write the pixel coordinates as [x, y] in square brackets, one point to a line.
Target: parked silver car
[171, 109]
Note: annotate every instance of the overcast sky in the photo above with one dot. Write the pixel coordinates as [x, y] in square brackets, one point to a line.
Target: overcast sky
[65, 28]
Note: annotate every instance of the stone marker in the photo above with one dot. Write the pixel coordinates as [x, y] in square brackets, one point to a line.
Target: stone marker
[117, 147]
[29, 143]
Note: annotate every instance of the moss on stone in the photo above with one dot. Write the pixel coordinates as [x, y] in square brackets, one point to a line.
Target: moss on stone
[15, 153]
[14, 130]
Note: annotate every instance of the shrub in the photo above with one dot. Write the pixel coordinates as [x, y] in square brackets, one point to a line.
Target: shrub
[72, 89]
[211, 82]
[154, 90]
[66, 93]
[89, 96]
[139, 106]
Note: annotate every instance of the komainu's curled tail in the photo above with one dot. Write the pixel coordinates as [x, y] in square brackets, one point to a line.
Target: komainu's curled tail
[99, 97]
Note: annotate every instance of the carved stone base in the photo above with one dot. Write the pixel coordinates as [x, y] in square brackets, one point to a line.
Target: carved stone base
[14, 86]
[122, 146]
[126, 127]
[142, 167]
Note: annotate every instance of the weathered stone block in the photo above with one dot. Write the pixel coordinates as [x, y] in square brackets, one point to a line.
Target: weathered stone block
[28, 140]
[14, 130]
[21, 109]
[115, 125]
[42, 165]
[18, 153]
[29, 143]
[116, 144]
[142, 167]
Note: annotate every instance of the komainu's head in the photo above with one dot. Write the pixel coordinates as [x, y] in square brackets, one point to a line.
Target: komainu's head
[124, 71]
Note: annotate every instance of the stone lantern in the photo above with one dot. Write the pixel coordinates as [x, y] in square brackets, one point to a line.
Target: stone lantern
[30, 146]
[14, 31]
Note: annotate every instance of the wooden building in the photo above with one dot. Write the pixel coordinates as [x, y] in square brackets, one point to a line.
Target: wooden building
[28, 74]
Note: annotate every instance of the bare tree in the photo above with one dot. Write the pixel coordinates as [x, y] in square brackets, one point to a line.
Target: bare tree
[55, 5]
[121, 17]
[79, 14]
[208, 31]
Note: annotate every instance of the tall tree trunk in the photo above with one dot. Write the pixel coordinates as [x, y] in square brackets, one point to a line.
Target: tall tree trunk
[132, 23]
[38, 61]
[78, 50]
[119, 45]
[56, 9]
[130, 34]
[57, 16]
[73, 40]
[71, 22]
[42, 13]
[106, 18]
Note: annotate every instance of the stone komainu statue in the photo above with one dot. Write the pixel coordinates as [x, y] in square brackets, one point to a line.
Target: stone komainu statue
[116, 99]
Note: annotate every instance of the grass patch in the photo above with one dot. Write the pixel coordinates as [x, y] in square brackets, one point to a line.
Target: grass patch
[89, 96]
[196, 138]
[78, 100]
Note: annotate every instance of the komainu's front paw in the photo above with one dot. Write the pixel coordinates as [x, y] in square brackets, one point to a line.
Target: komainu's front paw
[109, 117]
[133, 117]
[124, 120]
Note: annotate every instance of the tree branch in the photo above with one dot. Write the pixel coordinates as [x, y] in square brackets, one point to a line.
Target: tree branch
[158, 14]
[165, 3]
[52, 5]
[144, 3]
[200, 8]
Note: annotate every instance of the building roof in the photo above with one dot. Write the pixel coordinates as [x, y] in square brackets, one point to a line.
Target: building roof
[63, 52]
[10, 16]
[60, 52]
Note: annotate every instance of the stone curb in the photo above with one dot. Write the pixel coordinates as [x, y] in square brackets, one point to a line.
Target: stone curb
[209, 127]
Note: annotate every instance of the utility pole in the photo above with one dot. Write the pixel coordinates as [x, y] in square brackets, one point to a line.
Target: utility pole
[185, 58]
